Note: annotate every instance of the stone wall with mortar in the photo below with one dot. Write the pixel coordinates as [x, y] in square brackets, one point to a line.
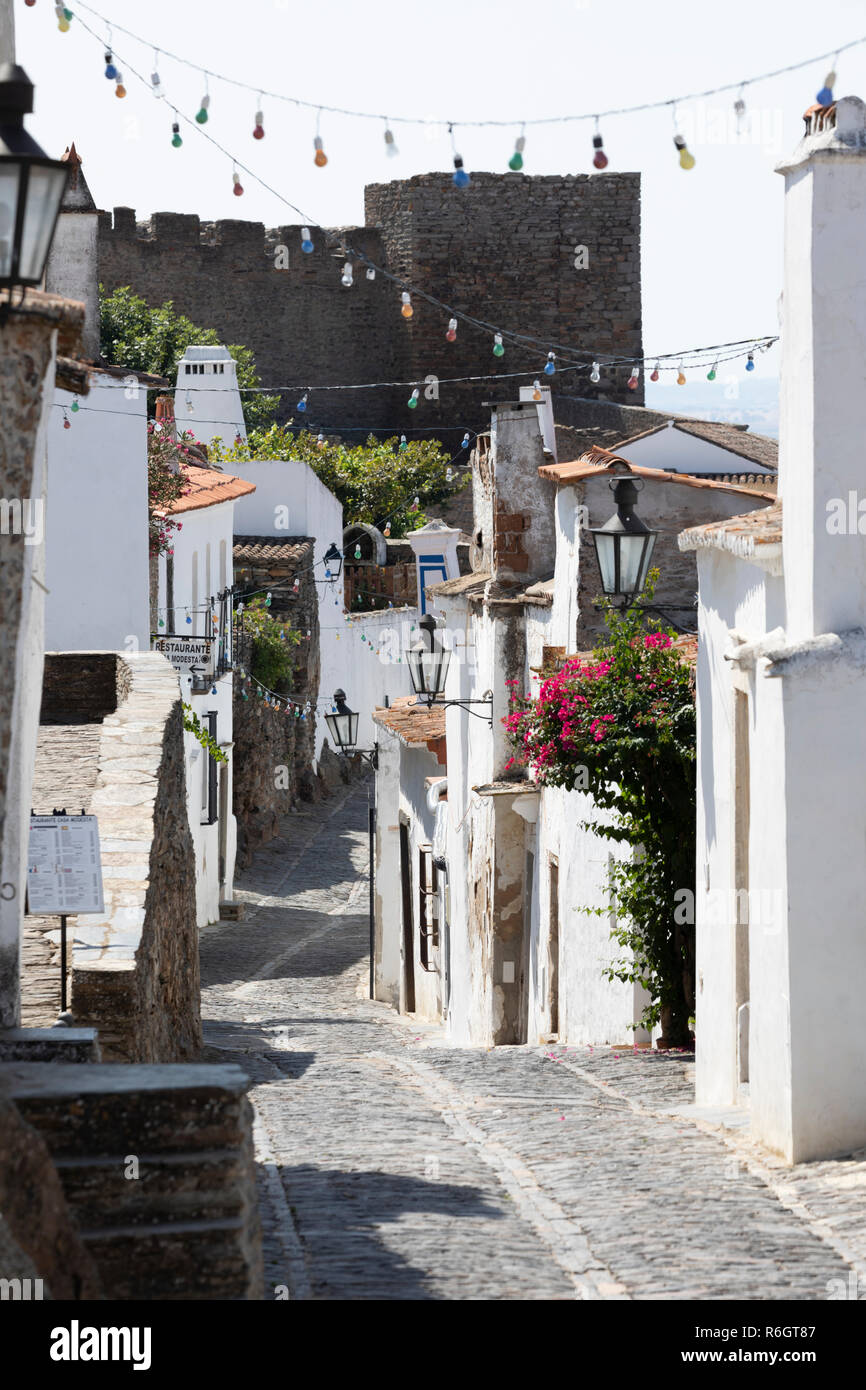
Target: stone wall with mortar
[502, 250]
[135, 972]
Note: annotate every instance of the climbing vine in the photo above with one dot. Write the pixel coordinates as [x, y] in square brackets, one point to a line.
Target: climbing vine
[621, 725]
[193, 725]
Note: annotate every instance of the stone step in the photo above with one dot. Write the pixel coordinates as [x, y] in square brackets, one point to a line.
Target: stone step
[169, 1189]
[193, 1260]
[49, 1045]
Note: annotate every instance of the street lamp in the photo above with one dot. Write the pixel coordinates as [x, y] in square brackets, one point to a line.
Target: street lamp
[342, 725]
[623, 545]
[333, 556]
[31, 186]
[428, 670]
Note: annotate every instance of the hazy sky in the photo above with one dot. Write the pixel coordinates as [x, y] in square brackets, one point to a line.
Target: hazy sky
[712, 236]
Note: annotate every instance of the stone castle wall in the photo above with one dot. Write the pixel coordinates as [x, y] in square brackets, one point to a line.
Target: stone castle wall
[502, 250]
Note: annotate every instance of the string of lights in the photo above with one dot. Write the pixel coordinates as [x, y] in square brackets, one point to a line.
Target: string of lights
[739, 85]
[520, 341]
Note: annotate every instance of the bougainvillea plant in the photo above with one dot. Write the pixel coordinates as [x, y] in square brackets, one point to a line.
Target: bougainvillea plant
[167, 481]
[620, 725]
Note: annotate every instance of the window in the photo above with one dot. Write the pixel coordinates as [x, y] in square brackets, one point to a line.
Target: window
[209, 812]
[428, 907]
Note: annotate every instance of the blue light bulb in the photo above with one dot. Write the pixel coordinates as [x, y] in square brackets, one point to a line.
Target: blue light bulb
[302, 403]
[465, 444]
[110, 69]
[750, 363]
[461, 178]
[550, 365]
[306, 241]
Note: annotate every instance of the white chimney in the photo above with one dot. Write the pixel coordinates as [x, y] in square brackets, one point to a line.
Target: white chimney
[822, 458]
[206, 399]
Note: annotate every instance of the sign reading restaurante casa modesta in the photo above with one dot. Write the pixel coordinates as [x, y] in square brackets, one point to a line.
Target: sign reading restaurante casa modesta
[186, 652]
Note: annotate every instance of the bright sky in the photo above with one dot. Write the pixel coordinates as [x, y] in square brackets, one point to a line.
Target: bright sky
[712, 236]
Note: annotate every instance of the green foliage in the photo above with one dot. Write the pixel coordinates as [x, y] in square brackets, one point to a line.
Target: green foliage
[376, 482]
[154, 340]
[193, 725]
[622, 727]
[271, 661]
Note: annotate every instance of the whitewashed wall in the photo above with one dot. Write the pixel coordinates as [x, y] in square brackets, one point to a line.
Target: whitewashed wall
[679, 452]
[96, 529]
[203, 566]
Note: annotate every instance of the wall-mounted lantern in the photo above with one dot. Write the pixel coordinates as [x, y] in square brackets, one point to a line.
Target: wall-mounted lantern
[342, 725]
[31, 186]
[333, 558]
[623, 545]
[428, 670]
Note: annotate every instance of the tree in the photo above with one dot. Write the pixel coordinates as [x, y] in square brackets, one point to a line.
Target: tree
[621, 726]
[377, 482]
[154, 340]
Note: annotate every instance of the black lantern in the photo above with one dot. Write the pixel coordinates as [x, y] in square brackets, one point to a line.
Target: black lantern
[428, 663]
[342, 724]
[624, 545]
[333, 557]
[31, 186]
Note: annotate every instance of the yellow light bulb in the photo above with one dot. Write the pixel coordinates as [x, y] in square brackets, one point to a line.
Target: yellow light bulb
[687, 160]
[681, 380]
[407, 311]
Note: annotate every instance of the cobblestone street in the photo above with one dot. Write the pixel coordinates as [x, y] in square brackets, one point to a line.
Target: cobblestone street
[394, 1166]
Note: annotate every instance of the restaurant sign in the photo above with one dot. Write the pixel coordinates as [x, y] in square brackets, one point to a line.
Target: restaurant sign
[186, 652]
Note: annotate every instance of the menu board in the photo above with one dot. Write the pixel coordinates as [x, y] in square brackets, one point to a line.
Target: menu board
[64, 867]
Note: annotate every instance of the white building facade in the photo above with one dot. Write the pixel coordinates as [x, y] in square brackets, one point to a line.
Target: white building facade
[781, 686]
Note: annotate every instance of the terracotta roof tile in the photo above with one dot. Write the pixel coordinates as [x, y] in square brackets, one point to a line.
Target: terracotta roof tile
[602, 463]
[268, 549]
[752, 536]
[413, 724]
[207, 487]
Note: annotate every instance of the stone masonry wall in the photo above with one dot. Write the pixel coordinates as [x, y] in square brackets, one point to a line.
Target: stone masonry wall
[135, 974]
[502, 250]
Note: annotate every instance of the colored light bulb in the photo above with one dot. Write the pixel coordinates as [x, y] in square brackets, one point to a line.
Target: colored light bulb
[595, 373]
[516, 160]
[296, 584]
[451, 332]
[633, 379]
[681, 376]
[550, 364]
[161, 622]
[687, 160]
[259, 127]
[348, 276]
[175, 135]
[599, 159]
[120, 90]
[357, 552]
[390, 144]
[327, 572]
[407, 311]
[306, 242]
[413, 399]
[63, 23]
[654, 374]
[416, 501]
[465, 443]
[387, 530]
[202, 112]
[711, 374]
[67, 423]
[750, 362]
[74, 406]
[536, 391]
[460, 178]
[403, 443]
[237, 188]
[371, 272]
[498, 346]
[825, 96]
[110, 69]
[320, 159]
[268, 599]
[188, 618]
[302, 403]
[320, 440]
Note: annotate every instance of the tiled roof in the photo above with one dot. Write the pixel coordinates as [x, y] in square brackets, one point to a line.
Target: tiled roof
[269, 550]
[463, 584]
[735, 439]
[207, 487]
[755, 536]
[598, 462]
[413, 724]
[686, 646]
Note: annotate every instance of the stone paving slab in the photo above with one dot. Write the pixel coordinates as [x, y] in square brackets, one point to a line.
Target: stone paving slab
[396, 1166]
